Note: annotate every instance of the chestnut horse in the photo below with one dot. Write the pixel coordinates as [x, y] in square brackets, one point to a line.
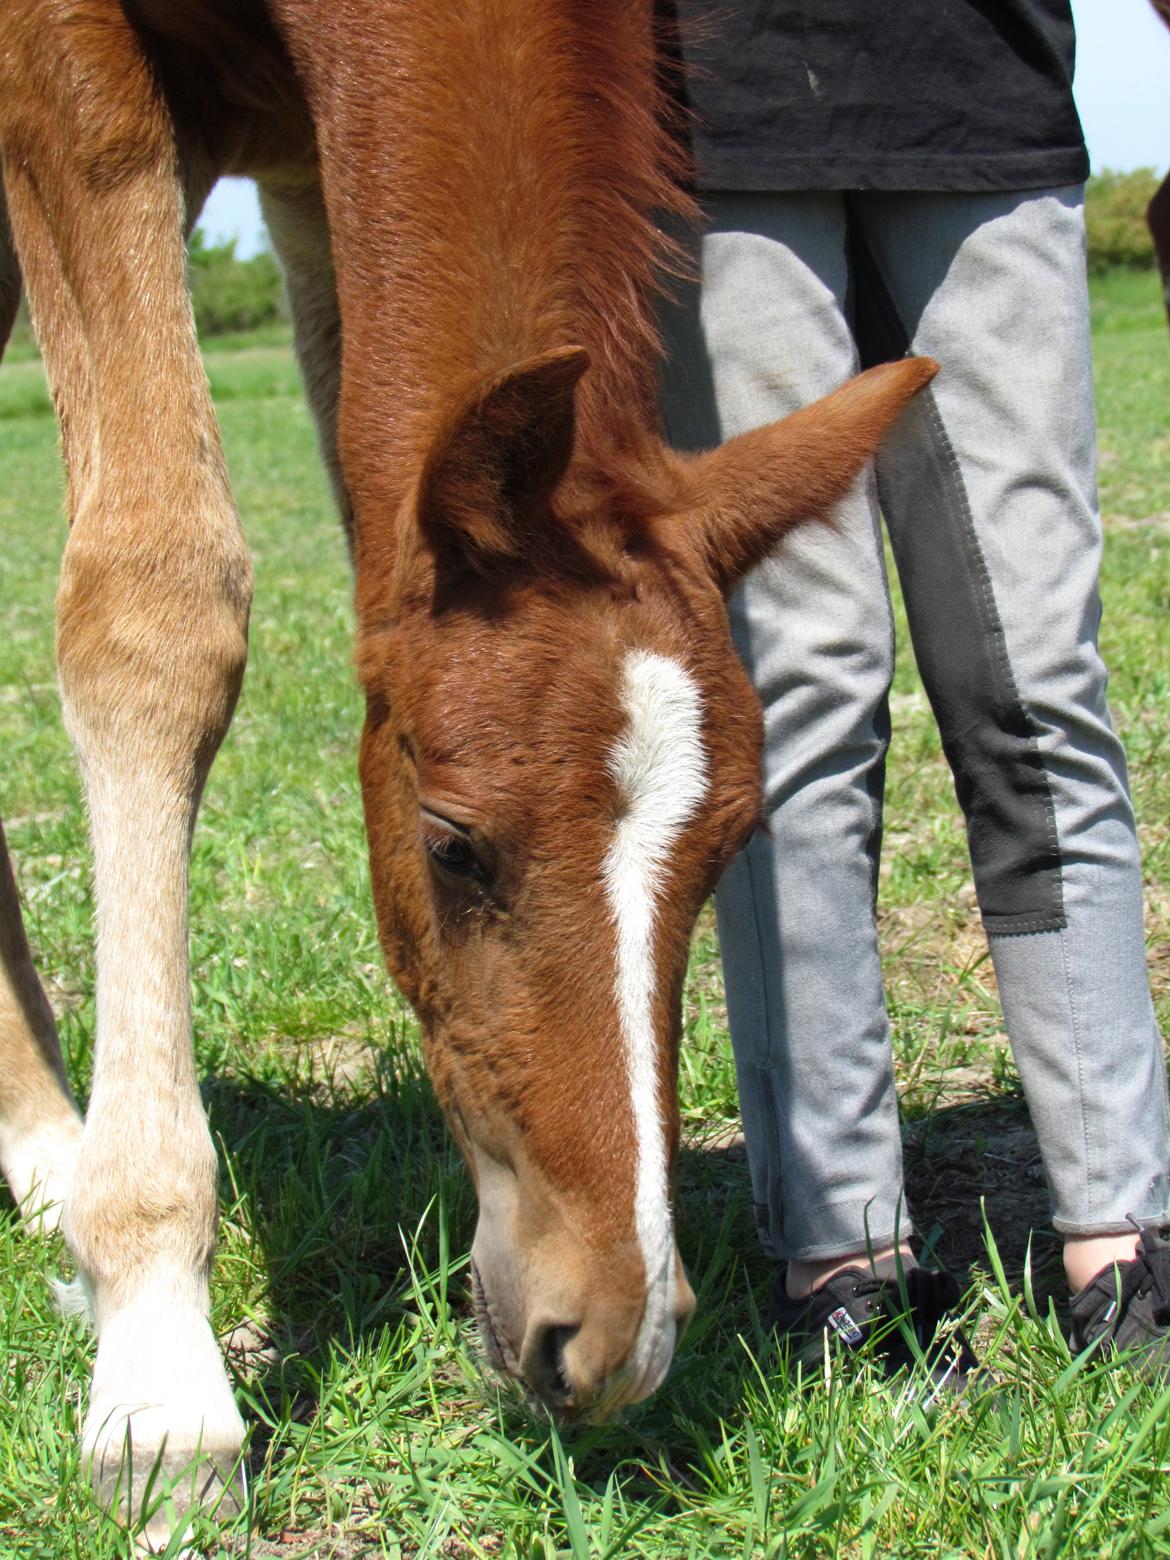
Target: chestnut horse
[560, 751]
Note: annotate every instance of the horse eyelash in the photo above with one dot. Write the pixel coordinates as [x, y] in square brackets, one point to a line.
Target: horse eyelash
[464, 863]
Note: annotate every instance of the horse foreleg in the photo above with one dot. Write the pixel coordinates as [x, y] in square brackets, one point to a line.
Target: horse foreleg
[148, 691]
[294, 211]
[40, 1128]
[1158, 221]
[152, 622]
[9, 277]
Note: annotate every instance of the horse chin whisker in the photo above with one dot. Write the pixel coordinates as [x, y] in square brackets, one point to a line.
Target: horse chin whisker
[494, 1347]
[607, 1409]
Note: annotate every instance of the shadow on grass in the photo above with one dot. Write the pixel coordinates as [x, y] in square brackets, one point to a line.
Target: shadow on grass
[983, 1155]
[335, 1188]
[336, 1185]
[331, 1178]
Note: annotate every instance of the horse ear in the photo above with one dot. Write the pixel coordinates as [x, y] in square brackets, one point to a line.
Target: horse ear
[499, 458]
[760, 485]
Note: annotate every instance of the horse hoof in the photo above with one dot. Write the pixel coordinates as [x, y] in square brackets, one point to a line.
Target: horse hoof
[158, 1494]
[163, 1435]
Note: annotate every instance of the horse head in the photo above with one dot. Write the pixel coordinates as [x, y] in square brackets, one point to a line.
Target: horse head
[561, 754]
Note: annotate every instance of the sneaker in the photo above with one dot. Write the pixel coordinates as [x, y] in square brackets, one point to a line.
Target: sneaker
[1128, 1306]
[854, 1309]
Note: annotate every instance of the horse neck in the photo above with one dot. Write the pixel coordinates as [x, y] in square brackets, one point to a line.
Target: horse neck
[491, 169]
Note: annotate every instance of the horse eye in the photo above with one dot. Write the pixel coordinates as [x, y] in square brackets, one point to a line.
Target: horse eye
[451, 850]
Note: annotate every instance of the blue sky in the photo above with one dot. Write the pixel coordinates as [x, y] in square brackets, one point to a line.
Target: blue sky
[1122, 88]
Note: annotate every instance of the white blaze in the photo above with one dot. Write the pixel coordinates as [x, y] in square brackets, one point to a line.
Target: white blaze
[661, 773]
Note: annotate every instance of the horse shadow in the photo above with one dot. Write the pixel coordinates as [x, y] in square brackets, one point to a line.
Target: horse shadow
[359, 1208]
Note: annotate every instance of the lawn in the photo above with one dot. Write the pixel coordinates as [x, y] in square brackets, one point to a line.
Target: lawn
[340, 1284]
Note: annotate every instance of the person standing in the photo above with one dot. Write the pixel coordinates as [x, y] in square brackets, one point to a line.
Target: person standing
[881, 181]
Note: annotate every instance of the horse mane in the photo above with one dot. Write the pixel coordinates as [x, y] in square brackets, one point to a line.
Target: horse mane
[519, 206]
[629, 170]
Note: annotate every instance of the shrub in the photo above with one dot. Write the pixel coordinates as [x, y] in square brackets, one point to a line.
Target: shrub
[1115, 216]
[229, 293]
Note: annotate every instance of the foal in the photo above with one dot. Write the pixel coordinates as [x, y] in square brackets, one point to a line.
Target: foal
[560, 751]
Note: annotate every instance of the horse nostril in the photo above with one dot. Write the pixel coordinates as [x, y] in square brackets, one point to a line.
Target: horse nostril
[550, 1377]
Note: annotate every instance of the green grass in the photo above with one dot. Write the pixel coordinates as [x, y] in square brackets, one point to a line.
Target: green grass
[346, 1216]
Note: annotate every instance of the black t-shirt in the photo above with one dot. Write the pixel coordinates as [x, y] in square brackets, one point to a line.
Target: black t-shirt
[878, 94]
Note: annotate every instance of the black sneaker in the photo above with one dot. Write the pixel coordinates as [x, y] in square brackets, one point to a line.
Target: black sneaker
[1127, 1306]
[854, 1309]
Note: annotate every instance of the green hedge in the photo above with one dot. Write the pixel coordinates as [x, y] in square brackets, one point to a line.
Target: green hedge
[1115, 216]
[231, 294]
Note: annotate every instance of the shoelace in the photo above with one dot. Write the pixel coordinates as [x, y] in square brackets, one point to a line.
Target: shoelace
[929, 1296]
[1148, 1272]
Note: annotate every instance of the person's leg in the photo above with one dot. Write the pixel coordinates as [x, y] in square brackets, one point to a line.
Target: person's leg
[813, 625]
[989, 491]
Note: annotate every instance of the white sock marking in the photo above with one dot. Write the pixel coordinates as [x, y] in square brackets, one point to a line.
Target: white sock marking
[39, 1169]
[159, 1373]
[661, 772]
